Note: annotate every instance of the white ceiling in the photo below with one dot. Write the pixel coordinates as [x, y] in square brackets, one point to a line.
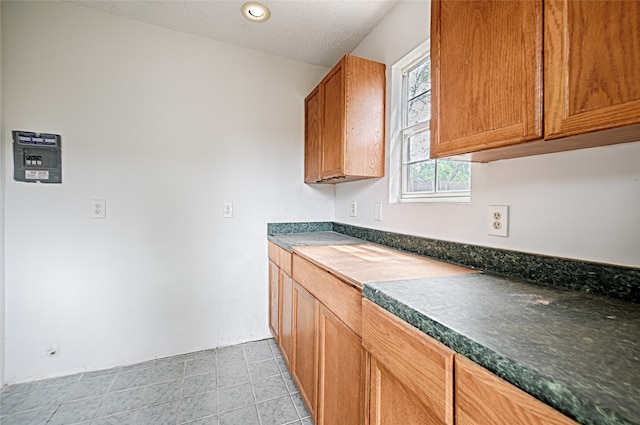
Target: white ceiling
[319, 32]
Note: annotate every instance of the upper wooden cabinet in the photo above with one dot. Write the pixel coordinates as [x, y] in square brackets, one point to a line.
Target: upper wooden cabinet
[592, 66]
[495, 97]
[344, 123]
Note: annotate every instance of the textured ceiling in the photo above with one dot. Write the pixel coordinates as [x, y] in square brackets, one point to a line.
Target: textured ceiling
[319, 32]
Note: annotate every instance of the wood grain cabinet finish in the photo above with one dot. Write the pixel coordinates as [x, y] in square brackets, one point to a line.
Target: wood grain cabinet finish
[305, 346]
[329, 360]
[486, 59]
[592, 66]
[344, 123]
[281, 298]
[492, 90]
[341, 372]
[274, 300]
[411, 374]
[482, 398]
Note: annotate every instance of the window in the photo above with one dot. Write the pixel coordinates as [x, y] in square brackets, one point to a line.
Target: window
[423, 178]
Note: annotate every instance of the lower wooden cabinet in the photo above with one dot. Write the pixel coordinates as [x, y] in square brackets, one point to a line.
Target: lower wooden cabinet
[305, 358]
[329, 362]
[342, 373]
[482, 398]
[274, 300]
[281, 299]
[411, 373]
[286, 316]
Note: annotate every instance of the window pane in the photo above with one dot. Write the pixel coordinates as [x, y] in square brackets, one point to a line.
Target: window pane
[418, 147]
[421, 177]
[419, 79]
[454, 176]
[419, 109]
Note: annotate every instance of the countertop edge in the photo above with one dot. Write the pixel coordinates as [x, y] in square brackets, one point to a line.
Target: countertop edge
[544, 388]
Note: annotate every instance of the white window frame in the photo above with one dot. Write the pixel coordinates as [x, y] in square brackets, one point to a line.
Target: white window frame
[400, 134]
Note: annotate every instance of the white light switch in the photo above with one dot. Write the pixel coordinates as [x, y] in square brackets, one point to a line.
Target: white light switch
[377, 211]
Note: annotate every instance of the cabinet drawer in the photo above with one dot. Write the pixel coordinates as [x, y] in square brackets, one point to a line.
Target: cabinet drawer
[482, 398]
[422, 365]
[281, 257]
[342, 299]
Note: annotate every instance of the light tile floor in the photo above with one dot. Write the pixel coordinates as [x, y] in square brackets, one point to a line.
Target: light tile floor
[245, 384]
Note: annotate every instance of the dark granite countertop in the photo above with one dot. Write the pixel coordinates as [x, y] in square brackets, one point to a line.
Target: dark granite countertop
[289, 240]
[577, 352]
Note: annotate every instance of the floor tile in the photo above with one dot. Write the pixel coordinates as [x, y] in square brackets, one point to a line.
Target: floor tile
[197, 407]
[160, 414]
[269, 388]
[298, 402]
[245, 384]
[263, 369]
[277, 411]
[258, 351]
[32, 417]
[75, 412]
[232, 398]
[126, 418]
[233, 376]
[121, 401]
[90, 387]
[200, 365]
[243, 416]
[199, 384]
[162, 393]
[132, 379]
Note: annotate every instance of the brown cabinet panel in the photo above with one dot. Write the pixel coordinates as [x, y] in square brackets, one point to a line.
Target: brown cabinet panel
[486, 61]
[344, 300]
[313, 136]
[341, 373]
[305, 359]
[286, 316]
[484, 399]
[402, 356]
[344, 123]
[333, 124]
[592, 66]
[500, 69]
[274, 300]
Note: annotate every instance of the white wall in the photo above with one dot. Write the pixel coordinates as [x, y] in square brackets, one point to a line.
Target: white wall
[2, 184]
[166, 127]
[582, 205]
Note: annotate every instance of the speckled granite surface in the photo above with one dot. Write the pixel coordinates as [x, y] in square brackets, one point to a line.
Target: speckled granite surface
[602, 279]
[289, 240]
[577, 352]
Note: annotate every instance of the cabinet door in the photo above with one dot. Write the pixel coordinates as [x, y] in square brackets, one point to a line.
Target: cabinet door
[592, 66]
[484, 399]
[341, 373]
[286, 315]
[305, 360]
[486, 60]
[313, 136]
[411, 373]
[333, 123]
[274, 300]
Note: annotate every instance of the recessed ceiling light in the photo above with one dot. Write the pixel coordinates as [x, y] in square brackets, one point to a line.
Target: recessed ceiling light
[255, 11]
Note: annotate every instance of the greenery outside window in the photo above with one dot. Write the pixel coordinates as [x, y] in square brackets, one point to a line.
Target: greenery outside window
[423, 178]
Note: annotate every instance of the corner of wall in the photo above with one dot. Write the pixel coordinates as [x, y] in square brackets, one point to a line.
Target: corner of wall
[2, 184]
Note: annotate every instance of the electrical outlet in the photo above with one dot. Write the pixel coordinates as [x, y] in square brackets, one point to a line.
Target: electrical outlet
[354, 209]
[499, 220]
[97, 208]
[227, 211]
